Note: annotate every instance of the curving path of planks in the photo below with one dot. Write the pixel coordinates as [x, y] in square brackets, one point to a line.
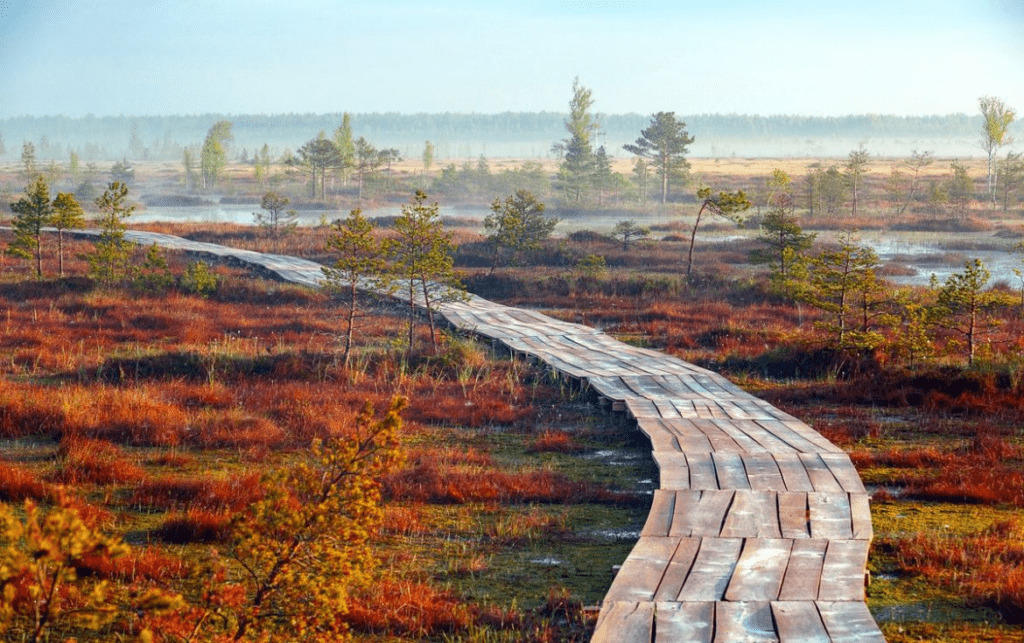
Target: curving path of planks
[760, 529]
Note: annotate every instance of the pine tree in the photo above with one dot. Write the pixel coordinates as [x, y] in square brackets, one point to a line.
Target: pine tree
[784, 242]
[67, 215]
[964, 306]
[517, 225]
[842, 283]
[577, 168]
[362, 264]
[33, 212]
[424, 261]
[110, 261]
[665, 143]
[629, 231]
[155, 275]
[276, 220]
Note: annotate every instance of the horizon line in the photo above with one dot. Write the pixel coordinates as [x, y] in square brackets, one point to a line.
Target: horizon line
[90, 115]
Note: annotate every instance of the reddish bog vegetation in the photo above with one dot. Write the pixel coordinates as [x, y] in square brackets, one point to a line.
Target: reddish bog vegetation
[157, 416]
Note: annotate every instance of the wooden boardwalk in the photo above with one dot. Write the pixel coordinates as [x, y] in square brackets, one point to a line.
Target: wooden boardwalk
[760, 529]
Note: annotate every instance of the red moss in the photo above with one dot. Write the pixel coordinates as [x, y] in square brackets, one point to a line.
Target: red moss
[555, 442]
[233, 493]
[85, 461]
[17, 485]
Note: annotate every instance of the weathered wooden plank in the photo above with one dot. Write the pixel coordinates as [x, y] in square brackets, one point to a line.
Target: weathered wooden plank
[688, 436]
[748, 622]
[760, 570]
[702, 471]
[807, 432]
[794, 514]
[763, 472]
[677, 386]
[842, 574]
[673, 471]
[844, 471]
[754, 407]
[734, 410]
[730, 471]
[830, 515]
[766, 514]
[624, 622]
[665, 408]
[609, 386]
[740, 520]
[700, 513]
[732, 429]
[719, 439]
[687, 511]
[678, 569]
[659, 519]
[794, 441]
[765, 438]
[819, 473]
[641, 572]
[706, 410]
[793, 472]
[685, 408]
[849, 622]
[689, 622]
[648, 386]
[799, 622]
[712, 569]
[860, 510]
[753, 514]
[641, 408]
[662, 437]
[803, 575]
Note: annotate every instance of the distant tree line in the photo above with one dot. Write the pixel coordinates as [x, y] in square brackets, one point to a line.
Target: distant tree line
[142, 138]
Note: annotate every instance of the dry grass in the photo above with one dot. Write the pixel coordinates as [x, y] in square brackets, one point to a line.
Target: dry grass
[83, 461]
[986, 568]
[18, 484]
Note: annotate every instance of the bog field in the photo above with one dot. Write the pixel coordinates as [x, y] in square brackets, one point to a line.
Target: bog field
[189, 453]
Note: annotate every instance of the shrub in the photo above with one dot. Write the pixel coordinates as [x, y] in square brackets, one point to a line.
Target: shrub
[198, 279]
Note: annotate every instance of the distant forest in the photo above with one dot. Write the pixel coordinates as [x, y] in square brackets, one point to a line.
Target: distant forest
[506, 135]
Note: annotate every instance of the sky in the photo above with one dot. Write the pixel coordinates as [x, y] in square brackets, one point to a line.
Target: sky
[800, 57]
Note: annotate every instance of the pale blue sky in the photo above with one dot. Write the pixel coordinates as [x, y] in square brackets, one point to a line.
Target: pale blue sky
[820, 58]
